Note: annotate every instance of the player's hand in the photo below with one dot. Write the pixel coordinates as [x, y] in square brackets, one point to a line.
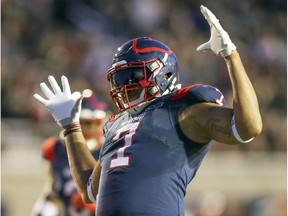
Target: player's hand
[64, 106]
[220, 42]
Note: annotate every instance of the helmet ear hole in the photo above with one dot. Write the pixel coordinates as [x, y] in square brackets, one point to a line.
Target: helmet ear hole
[167, 75]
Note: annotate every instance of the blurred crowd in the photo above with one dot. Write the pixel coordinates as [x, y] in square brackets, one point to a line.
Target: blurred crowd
[78, 38]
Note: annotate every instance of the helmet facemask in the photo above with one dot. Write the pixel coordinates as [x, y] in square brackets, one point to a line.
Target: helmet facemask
[131, 84]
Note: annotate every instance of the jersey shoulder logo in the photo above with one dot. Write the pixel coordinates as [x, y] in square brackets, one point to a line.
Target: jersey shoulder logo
[183, 92]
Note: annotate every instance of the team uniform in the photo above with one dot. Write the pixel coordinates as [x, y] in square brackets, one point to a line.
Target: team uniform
[146, 161]
[54, 151]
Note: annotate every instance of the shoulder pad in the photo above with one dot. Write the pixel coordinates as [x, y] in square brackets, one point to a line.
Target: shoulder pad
[201, 93]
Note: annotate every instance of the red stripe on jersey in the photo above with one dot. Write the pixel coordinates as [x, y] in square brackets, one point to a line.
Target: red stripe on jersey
[149, 49]
[48, 147]
[183, 92]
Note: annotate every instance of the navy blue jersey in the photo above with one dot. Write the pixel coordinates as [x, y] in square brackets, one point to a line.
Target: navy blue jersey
[54, 150]
[147, 162]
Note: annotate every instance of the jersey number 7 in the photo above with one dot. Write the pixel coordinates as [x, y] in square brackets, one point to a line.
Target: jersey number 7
[121, 160]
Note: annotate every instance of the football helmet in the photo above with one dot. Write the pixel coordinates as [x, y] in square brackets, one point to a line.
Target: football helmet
[142, 69]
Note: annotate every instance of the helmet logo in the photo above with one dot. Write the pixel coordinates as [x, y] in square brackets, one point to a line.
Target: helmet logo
[149, 49]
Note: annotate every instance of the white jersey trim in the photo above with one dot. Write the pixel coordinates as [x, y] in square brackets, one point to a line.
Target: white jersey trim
[89, 190]
[236, 134]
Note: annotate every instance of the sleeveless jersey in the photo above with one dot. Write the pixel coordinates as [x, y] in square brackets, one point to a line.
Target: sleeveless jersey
[147, 162]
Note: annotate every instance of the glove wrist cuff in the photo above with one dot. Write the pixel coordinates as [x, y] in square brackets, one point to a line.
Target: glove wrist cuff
[229, 49]
[65, 122]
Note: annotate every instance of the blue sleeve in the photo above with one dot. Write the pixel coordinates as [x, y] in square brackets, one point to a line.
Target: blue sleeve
[205, 93]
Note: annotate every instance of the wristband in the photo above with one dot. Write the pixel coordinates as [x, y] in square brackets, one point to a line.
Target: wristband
[89, 190]
[74, 127]
[236, 134]
[66, 132]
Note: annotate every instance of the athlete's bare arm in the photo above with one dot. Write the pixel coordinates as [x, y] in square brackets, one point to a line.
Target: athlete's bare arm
[65, 108]
[205, 121]
[245, 103]
[202, 122]
[82, 164]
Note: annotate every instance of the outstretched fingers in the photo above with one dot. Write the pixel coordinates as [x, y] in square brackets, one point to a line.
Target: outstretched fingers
[211, 18]
[65, 84]
[76, 96]
[41, 100]
[54, 85]
[49, 94]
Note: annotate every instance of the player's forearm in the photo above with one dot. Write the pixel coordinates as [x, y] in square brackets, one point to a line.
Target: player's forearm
[81, 160]
[245, 103]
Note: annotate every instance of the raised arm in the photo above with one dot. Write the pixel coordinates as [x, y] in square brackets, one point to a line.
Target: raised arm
[65, 108]
[247, 116]
[205, 121]
[82, 166]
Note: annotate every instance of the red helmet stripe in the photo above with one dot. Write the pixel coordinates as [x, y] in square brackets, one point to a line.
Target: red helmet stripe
[149, 49]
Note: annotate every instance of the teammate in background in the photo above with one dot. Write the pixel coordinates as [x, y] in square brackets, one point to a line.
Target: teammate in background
[60, 196]
[155, 145]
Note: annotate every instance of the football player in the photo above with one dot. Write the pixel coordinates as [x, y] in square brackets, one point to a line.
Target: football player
[155, 144]
[60, 196]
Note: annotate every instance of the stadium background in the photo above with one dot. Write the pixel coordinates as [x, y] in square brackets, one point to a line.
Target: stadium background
[79, 37]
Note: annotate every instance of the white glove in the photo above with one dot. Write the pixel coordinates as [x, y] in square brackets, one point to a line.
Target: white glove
[220, 42]
[64, 106]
